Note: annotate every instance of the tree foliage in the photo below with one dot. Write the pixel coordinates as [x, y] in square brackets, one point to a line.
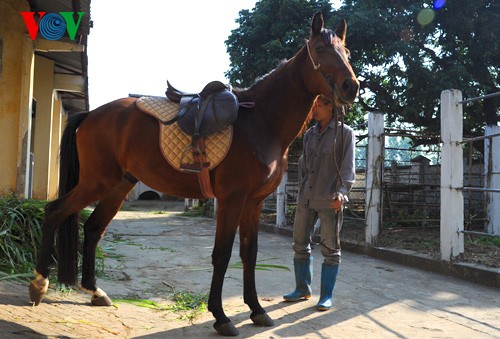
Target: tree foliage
[406, 53]
[403, 51]
[273, 31]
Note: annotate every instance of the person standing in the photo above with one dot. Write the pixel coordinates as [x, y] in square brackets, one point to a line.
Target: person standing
[326, 176]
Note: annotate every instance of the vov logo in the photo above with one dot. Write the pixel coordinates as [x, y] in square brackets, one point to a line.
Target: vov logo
[52, 26]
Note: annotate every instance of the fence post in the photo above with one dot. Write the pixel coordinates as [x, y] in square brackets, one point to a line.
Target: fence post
[192, 202]
[492, 175]
[374, 168]
[452, 169]
[281, 202]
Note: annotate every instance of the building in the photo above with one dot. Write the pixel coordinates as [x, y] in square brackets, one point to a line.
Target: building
[41, 82]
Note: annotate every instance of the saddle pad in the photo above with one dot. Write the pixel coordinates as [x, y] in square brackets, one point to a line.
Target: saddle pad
[174, 142]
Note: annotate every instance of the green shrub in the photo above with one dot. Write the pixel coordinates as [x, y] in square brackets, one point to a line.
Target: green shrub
[20, 234]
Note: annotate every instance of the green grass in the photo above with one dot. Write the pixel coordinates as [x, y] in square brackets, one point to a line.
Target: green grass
[159, 212]
[195, 211]
[495, 241]
[191, 305]
[260, 267]
[188, 305]
[17, 276]
[239, 265]
[161, 248]
[142, 303]
[202, 210]
[21, 235]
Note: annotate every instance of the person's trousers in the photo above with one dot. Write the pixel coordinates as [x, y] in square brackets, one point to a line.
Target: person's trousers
[303, 227]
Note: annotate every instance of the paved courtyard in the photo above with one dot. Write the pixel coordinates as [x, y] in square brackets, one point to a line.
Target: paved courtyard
[150, 255]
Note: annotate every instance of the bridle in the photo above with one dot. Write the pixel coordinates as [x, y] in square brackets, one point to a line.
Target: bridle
[326, 78]
[316, 66]
[336, 112]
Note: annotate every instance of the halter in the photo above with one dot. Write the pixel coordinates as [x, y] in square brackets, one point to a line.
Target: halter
[316, 67]
[336, 112]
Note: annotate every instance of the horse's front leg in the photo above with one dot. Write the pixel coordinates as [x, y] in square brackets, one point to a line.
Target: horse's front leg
[249, 227]
[228, 216]
[94, 228]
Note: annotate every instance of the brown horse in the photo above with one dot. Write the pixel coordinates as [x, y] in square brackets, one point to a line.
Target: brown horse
[116, 143]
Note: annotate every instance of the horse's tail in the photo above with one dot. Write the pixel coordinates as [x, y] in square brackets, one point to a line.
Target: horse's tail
[69, 171]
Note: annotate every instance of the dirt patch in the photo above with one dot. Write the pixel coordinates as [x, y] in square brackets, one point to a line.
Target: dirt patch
[426, 241]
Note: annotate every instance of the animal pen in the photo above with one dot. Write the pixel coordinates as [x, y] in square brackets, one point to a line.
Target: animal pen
[439, 193]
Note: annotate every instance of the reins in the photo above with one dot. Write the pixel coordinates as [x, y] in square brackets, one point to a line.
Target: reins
[339, 111]
[336, 112]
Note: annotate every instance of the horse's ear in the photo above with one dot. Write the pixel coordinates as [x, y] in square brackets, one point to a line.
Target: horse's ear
[317, 23]
[341, 30]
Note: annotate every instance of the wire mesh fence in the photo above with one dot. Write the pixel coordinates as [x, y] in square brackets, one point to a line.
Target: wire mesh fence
[410, 193]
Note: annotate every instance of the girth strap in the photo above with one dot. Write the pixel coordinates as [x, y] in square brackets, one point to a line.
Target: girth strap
[204, 176]
[130, 178]
[200, 167]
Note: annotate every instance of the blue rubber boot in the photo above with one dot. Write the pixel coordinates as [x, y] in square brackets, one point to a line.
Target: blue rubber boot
[303, 272]
[328, 278]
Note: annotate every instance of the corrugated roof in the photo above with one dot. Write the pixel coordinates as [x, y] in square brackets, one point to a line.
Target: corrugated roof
[75, 63]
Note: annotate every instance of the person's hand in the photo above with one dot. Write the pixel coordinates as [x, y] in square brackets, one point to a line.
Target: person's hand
[337, 202]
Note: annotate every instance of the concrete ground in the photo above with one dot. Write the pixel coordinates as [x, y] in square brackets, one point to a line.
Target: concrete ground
[151, 255]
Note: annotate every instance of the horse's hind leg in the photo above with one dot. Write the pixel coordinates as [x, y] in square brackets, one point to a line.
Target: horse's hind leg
[249, 227]
[94, 228]
[56, 212]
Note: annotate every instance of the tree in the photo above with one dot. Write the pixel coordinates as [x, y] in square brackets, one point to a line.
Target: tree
[406, 53]
[273, 31]
[403, 51]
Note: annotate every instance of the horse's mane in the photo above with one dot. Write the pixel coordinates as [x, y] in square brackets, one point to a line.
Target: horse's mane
[327, 35]
[246, 94]
[260, 81]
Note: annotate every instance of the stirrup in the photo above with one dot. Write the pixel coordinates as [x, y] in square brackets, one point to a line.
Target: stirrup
[195, 167]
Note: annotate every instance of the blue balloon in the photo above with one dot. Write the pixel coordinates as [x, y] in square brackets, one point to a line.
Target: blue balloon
[438, 4]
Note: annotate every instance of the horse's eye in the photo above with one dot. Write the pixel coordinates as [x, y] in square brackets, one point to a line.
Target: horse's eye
[320, 49]
[347, 53]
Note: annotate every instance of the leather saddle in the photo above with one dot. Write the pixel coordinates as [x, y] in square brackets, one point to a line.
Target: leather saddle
[207, 112]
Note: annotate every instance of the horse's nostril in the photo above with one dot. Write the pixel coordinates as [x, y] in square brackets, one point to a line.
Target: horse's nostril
[350, 87]
[346, 86]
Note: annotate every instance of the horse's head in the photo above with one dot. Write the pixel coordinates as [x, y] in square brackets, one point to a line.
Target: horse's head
[329, 57]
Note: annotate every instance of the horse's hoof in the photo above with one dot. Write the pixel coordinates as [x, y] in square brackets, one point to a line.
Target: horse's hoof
[99, 297]
[101, 300]
[262, 320]
[226, 329]
[37, 290]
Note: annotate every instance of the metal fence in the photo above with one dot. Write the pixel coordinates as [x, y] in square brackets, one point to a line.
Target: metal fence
[449, 187]
[453, 190]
